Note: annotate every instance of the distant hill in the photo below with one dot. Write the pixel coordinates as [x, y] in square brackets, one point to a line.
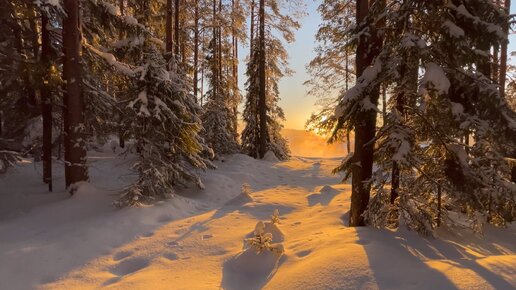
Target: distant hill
[309, 144]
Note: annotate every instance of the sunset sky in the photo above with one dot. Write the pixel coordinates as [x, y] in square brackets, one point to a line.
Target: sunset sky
[295, 101]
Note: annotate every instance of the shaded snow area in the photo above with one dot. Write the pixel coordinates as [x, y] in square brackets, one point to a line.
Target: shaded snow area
[228, 236]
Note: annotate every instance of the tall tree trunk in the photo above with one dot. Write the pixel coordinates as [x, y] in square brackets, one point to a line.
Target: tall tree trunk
[73, 106]
[169, 42]
[215, 49]
[46, 102]
[251, 36]
[396, 172]
[234, 48]
[176, 27]
[503, 52]
[348, 139]
[183, 43]
[121, 137]
[262, 102]
[220, 40]
[196, 49]
[365, 130]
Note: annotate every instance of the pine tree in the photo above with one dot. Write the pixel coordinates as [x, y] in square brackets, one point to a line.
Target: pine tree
[267, 65]
[218, 118]
[360, 114]
[421, 139]
[160, 111]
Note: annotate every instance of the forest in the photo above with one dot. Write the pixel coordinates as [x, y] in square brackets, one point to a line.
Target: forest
[137, 137]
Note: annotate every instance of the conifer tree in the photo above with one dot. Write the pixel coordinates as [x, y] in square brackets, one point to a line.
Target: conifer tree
[267, 65]
[218, 118]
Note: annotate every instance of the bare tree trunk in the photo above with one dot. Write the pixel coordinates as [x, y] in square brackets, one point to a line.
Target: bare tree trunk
[121, 139]
[183, 43]
[220, 40]
[169, 42]
[396, 172]
[176, 27]
[234, 5]
[262, 102]
[203, 37]
[251, 37]
[196, 49]
[384, 103]
[439, 206]
[215, 50]
[46, 102]
[365, 130]
[503, 52]
[73, 106]
[348, 139]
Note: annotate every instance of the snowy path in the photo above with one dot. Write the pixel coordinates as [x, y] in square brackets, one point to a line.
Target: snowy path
[194, 241]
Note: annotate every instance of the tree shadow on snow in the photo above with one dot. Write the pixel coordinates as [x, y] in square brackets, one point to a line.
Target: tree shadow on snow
[250, 270]
[397, 260]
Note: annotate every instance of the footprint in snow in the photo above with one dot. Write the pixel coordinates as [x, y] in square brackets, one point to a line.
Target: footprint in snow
[172, 244]
[206, 237]
[171, 256]
[147, 235]
[121, 255]
[129, 266]
[303, 253]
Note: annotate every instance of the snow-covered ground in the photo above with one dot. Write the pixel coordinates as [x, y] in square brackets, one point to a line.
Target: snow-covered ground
[196, 239]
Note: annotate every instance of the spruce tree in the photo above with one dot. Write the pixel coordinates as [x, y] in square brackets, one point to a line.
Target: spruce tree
[267, 65]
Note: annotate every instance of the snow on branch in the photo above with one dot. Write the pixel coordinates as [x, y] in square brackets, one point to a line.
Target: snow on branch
[434, 80]
[369, 75]
[111, 60]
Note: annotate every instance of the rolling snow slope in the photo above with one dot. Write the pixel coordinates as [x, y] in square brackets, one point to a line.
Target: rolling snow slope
[196, 240]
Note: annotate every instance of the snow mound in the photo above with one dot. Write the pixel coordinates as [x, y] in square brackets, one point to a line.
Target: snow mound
[270, 156]
[249, 270]
[323, 197]
[252, 268]
[244, 196]
[274, 230]
[328, 190]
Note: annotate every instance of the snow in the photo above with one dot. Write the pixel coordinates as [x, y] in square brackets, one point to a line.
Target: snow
[457, 109]
[110, 8]
[368, 76]
[453, 29]
[111, 60]
[412, 40]
[270, 156]
[196, 240]
[434, 79]
[491, 28]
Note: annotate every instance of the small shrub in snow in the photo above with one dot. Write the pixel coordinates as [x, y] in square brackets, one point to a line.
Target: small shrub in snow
[262, 241]
[275, 217]
[246, 188]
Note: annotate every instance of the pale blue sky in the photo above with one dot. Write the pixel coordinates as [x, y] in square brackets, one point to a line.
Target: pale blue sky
[294, 100]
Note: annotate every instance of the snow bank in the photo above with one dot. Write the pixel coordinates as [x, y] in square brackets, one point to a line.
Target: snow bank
[270, 156]
[194, 241]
